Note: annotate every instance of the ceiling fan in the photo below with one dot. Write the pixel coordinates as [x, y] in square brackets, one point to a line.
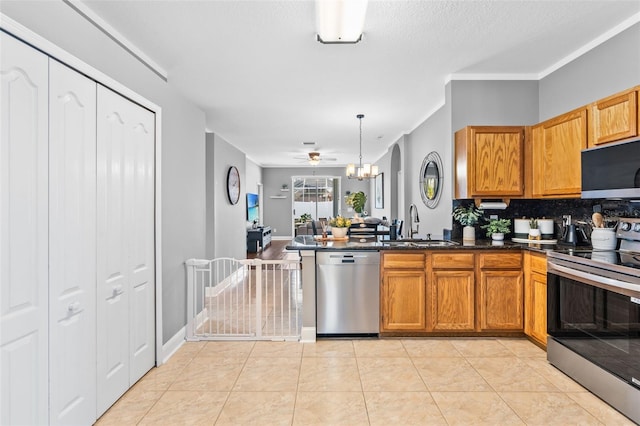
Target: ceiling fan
[314, 158]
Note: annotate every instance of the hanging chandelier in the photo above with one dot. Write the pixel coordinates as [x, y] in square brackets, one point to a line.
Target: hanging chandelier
[363, 171]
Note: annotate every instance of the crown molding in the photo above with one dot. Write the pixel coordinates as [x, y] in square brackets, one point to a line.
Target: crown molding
[83, 10]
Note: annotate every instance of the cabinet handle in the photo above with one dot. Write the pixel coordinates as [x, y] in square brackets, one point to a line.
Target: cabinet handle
[118, 290]
[74, 308]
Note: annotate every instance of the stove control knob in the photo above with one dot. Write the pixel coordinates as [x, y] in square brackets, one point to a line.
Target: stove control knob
[625, 226]
[636, 227]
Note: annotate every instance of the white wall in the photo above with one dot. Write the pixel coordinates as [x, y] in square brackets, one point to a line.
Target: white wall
[183, 155]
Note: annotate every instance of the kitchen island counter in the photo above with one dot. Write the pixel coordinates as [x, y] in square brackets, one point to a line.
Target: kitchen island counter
[309, 242]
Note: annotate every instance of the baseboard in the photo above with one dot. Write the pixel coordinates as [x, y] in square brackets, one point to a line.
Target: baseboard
[308, 335]
[173, 344]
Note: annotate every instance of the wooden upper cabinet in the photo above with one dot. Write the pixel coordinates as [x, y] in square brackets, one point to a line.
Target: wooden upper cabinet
[614, 118]
[555, 155]
[489, 161]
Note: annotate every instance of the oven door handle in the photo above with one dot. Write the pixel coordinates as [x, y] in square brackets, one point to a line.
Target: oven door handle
[568, 272]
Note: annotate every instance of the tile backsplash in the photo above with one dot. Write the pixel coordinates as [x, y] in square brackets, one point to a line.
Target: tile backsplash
[580, 210]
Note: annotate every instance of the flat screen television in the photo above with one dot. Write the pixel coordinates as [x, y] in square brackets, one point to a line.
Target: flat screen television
[253, 207]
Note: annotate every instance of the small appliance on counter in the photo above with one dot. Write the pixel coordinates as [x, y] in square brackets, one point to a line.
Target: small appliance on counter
[573, 234]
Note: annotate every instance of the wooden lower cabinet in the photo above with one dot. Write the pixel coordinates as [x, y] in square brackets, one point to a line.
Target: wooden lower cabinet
[447, 292]
[451, 300]
[501, 300]
[403, 300]
[403, 291]
[535, 297]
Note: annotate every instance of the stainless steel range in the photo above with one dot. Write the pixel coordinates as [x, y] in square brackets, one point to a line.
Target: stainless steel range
[593, 318]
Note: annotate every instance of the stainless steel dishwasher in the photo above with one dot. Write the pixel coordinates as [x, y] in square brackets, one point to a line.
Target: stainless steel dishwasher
[347, 293]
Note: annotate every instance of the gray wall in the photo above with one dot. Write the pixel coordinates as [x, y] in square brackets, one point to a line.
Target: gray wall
[278, 211]
[434, 134]
[229, 235]
[610, 67]
[493, 103]
[183, 155]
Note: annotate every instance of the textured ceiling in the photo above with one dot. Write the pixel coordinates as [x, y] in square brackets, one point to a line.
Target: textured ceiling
[266, 85]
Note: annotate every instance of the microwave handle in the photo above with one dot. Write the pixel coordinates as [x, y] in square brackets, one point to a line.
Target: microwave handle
[592, 277]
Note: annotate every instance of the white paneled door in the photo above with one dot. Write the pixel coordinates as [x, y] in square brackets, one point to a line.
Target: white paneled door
[125, 241]
[72, 246]
[23, 234]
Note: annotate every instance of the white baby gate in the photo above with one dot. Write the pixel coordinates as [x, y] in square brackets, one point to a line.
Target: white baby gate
[248, 299]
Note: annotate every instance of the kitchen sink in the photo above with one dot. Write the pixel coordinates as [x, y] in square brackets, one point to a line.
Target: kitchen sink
[421, 243]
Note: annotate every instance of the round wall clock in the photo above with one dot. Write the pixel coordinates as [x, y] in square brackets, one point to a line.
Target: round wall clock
[233, 185]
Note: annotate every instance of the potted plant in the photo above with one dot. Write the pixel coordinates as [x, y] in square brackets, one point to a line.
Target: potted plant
[468, 217]
[496, 228]
[534, 231]
[357, 200]
[339, 226]
[305, 217]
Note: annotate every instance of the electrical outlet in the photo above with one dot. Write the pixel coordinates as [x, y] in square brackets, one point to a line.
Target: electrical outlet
[275, 230]
[493, 216]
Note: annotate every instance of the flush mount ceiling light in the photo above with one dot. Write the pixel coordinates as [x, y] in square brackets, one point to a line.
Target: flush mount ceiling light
[340, 21]
[366, 171]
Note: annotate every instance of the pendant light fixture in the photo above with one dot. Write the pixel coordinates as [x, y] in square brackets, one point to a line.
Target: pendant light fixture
[366, 171]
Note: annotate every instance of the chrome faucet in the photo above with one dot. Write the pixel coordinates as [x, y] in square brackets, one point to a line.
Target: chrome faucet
[413, 218]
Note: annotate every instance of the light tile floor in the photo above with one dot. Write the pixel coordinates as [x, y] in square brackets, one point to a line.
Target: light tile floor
[431, 381]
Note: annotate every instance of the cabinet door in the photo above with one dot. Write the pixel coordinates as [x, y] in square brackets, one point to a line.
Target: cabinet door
[613, 118]
[72, 246]
[403, 300]
[539, 304]
[501, 300]
[556, 146]
[489, 161]
[497, 162]
[452, 300]
[125, 292]
[24, 259]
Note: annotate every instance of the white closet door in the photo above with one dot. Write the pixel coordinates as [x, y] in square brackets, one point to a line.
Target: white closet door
[125, 147]
[141, 242]
[72, 246]
[23, 234]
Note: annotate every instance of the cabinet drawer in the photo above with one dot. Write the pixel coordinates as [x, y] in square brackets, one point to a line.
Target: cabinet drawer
[445, 259]
[539, 263]
[403, 260]
[501, 260]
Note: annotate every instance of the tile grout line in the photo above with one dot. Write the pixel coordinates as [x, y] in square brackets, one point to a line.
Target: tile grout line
[425, 383]
[226, 400]
[168, 386]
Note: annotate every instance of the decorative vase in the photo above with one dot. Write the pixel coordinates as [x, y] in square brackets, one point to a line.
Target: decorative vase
[469, 233]
[534, 234]
[497, 236]
[339, 232]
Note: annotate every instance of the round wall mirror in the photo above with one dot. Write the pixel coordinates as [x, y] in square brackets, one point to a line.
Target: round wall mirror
[431, 179]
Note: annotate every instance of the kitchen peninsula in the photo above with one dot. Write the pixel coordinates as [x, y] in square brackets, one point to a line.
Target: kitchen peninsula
[438, 288]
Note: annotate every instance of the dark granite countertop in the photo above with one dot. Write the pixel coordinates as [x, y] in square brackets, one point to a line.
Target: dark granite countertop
[308, 242]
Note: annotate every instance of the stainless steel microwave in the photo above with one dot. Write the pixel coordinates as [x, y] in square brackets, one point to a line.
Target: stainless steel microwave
[612, 171]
